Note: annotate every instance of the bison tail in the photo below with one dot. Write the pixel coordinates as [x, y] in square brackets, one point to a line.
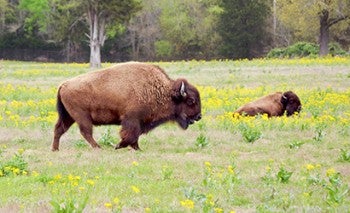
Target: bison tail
[63, 115]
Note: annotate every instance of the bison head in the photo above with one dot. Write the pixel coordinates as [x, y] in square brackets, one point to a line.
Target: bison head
[291, 103]
[187, 103]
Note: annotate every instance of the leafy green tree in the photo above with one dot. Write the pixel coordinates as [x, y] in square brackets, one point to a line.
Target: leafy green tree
[189, 26]
[242, 27]
[312, 18]
[38, 10]
[101, 16]
[67, 26]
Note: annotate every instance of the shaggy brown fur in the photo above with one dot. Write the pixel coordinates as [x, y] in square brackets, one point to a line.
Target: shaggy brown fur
[137, 96]
[273, 105]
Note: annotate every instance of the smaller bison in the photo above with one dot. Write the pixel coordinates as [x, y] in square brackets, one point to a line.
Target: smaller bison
[137, 96]
[273, 105]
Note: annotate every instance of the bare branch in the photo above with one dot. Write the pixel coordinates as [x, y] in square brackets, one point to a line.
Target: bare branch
[336, 20]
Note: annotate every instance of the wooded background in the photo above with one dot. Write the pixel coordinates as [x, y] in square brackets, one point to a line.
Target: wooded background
[153, 30]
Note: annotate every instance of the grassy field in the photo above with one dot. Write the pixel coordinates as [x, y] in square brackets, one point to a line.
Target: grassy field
[220, 164]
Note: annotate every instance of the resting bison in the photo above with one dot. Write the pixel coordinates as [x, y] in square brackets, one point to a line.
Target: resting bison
[137, 96]
[273, 105]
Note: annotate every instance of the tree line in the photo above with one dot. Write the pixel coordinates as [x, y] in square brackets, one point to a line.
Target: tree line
[148, 30]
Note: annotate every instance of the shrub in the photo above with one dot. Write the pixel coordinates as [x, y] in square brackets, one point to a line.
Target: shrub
[335, 49]
[299, 49]
[304, 49]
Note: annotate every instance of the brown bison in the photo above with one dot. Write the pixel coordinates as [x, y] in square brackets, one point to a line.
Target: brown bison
[273, 105]
[137, 96]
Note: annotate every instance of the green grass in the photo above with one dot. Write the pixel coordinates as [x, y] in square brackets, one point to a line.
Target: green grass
[292, 164]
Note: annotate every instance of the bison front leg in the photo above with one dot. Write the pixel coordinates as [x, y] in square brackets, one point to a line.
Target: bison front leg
[129, 134]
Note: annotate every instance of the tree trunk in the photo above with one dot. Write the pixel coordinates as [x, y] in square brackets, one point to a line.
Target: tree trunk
[95, 54]
[97, 36]
[324, 33]
[95, 57]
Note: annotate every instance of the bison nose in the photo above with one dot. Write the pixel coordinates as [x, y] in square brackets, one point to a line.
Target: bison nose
[198, 117]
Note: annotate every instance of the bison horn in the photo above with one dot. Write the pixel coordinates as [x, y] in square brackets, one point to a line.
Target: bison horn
[183, 90]
[284, 97]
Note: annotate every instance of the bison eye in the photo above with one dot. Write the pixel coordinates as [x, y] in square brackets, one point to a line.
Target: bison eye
[190, 101]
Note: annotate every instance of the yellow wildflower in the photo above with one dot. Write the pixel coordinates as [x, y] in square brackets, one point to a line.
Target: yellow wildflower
[57, 177]
[90, 182]
[330, 172]
[135, 189]
[16, 171]
[230, 169]
[218, 210]
[75, 183]
[116, 200]
[310, 167]
[70, 177]
[187, 204]
[108, 205]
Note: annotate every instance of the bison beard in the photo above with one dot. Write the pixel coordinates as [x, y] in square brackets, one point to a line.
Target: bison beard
[137, 96]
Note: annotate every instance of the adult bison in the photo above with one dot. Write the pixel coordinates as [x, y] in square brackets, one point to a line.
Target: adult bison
[137, 96]
[273, 105]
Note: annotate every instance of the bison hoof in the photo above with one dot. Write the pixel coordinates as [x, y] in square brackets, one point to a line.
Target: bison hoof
[55, 149]
[118, 147]
[96, 146]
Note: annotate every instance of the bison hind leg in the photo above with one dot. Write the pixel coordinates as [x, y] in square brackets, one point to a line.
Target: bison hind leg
[86, 131]
[61, 127]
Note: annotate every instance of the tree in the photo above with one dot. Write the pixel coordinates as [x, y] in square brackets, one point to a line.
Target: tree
[3, 8]
[37, 9]
[144, 30]
[8, 15]
[311, 18]
[242, 27]
[187, 28]
[66, 25]
[330, 13]
[102, 14]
